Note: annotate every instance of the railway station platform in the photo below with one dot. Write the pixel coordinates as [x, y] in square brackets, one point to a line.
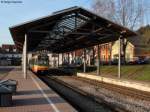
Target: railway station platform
[33, 95]
[142, 86]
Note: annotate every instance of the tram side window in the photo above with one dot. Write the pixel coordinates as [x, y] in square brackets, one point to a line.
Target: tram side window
[35, 62]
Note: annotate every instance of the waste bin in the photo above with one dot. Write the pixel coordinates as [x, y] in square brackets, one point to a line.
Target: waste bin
[5, 96]
[11, 84]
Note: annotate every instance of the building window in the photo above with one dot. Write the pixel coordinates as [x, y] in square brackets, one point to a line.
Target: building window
[14, 50]
[7, 50]
[104, 57]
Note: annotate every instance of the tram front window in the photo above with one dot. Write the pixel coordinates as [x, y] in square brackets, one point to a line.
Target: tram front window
[43, 62]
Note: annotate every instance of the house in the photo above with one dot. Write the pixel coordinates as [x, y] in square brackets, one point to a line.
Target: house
[9, 48]
[129, 53]
[109, 52]
[9, 55]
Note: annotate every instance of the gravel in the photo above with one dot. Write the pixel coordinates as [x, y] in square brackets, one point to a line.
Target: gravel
[119, 100]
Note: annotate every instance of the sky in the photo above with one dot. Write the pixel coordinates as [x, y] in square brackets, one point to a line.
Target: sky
[16, 13]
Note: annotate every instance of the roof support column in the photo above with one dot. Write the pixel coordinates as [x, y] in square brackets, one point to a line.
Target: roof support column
[93, 56]
[25, 57]
[119, 57]
[72, 57]
[68, 58]
[62, 59]
[84, 60]
[75, 57]
[58, 60]
[98, 60]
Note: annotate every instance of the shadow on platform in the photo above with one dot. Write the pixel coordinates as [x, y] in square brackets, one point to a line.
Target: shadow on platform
[36, 101]
[33, 92]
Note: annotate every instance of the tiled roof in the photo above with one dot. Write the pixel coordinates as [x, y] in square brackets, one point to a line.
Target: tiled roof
[8, 46]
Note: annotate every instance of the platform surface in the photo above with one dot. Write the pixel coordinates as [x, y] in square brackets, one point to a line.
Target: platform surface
[34, 96]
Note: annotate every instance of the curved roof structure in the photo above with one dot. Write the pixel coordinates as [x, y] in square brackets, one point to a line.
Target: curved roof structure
[67, 30]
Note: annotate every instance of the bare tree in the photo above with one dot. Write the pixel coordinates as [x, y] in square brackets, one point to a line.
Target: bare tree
[128, 13]
[104, 8]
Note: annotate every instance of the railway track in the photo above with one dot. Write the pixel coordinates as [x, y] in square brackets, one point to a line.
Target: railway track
[71, 81]
[120, 89]
[134, 93]
[84, 98]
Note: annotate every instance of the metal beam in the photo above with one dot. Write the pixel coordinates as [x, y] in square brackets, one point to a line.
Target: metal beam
[84, 18]
[80, 33]
[39, 31]
[66, 27]
[91, 39]
[75, 21]
[43, 25]
[89, 34]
